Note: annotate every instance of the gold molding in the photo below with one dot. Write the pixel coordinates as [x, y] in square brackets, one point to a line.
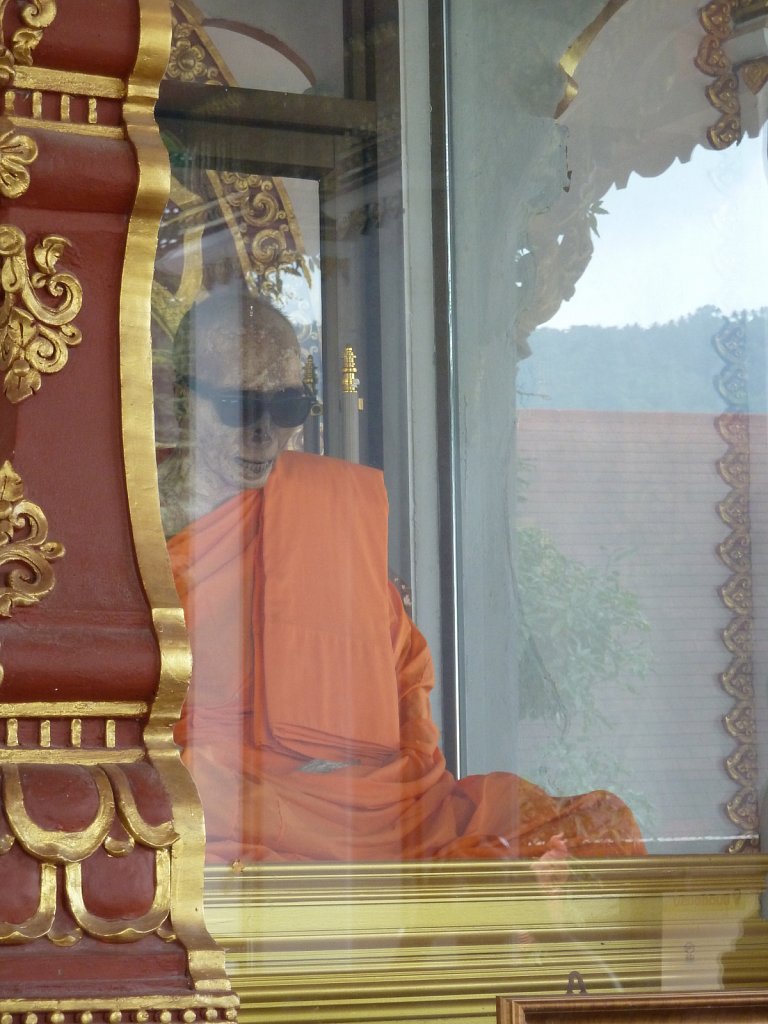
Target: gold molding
[165, 1009]
[103, 131]
[73, 755]
[205, 960]
[71, 82]
[415, 942]
[34, 337]
[23, 542]
[74, 709]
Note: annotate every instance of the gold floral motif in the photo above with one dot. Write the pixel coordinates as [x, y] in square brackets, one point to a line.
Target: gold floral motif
[24, 546]
[34, 337]
[36, 16]
[16, 153]
[189, 61]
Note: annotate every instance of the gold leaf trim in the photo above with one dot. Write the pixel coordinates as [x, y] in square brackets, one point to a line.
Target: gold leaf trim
[52, 844]
[154, 836]
[122, 929]
[41, 922]
[24, 546]
[34, 337]
[716, 18]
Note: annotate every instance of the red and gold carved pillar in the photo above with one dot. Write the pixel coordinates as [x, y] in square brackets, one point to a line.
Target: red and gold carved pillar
[101, 835]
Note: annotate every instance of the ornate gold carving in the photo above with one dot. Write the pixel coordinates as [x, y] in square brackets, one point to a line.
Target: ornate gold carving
[735, 552]
[716, 19]
[131, 929]
[190, 60]
[53, 847]
[34, 337]
[16, 153]
[36, 16]
[157, 837]
[266, 237]
[349, 379]
[24, 546]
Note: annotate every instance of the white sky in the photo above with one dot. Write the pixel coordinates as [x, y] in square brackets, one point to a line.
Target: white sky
[692, 237]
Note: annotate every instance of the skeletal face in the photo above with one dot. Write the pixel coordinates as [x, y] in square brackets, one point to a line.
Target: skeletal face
[256, 353]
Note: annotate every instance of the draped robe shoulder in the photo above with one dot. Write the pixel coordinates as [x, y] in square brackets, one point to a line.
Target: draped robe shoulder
[308, 728]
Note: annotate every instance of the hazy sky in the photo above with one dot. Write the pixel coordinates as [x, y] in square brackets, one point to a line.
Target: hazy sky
[692, 237]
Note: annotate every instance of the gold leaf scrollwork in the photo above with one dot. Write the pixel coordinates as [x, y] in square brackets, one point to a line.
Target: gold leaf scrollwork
[34, 337]
[24, 546]
[36, 15]
[16, 153]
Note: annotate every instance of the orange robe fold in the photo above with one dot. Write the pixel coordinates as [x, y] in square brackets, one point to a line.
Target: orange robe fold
[308, 729]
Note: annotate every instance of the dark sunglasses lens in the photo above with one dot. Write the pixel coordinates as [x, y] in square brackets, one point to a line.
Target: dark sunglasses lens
[290, 410]
[287, 409]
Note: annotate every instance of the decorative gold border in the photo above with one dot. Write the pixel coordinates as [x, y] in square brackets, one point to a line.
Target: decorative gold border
[716, 19]
[205, 959]
[164, 1009]
[735, 552]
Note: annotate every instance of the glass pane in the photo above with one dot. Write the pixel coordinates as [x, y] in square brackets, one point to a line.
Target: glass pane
[610, 416]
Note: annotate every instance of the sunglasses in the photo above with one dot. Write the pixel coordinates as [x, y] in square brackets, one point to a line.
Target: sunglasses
[286, 408]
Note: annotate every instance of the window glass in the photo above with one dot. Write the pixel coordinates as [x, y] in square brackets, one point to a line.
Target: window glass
[560, 372]
[610, 418]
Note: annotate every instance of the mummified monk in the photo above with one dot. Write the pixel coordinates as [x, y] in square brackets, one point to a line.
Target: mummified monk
[308, 728]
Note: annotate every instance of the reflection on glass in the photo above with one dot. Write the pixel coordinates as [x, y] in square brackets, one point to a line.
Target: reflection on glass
[612, 575]
[622, 405]
[308, 727]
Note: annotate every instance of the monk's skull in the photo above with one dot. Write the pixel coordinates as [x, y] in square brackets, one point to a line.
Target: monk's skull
[254, 352]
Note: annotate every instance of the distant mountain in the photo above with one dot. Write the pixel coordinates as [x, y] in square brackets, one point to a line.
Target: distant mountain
[665, 367]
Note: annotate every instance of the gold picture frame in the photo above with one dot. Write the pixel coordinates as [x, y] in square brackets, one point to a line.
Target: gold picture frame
[743, 1007]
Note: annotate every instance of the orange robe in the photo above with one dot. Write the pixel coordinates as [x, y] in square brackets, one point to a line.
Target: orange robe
[308, 728]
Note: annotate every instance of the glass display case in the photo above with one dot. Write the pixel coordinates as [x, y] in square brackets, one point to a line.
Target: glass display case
[497, 266]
